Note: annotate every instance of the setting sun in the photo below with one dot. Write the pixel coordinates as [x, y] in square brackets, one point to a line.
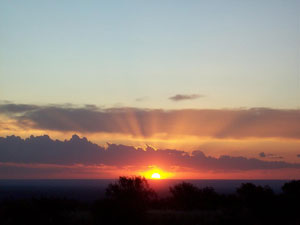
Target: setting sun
[155, 176]
[156, 173]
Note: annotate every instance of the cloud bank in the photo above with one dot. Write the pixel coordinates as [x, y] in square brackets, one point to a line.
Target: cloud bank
[216, 123]
[80, 151]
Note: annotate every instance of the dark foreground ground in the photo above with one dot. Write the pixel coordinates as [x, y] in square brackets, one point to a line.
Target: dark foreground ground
[132, 201]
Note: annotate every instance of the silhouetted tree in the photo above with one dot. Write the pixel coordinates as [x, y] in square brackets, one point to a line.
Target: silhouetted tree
[290, 198]
[187, 196]
[251, 192]
[126, 202]
[133, 189]
[128, 198]
[208, 198]
[292, 188]
[258, 200]
[184, 195]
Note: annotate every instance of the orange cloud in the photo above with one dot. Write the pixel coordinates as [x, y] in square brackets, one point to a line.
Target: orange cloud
[237, 124]
[80, 158]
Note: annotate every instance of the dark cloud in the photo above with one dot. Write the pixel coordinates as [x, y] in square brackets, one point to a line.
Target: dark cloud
[179, 97]
[298, 155]
[273, 156]
[44, 150]
[16, 108]
[234, 123]
[262, 154]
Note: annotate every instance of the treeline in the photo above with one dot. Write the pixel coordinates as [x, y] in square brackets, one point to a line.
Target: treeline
[131, 200]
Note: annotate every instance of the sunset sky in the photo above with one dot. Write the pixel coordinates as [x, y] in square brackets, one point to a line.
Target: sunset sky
[208, 83]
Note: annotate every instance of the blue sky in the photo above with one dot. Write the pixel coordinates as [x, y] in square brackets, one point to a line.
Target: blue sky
[110, 53]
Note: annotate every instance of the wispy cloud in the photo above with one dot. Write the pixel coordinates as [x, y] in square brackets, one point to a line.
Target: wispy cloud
[181, 97]
[141, 99]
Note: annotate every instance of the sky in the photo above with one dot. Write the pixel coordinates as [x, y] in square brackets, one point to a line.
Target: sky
[221, 77]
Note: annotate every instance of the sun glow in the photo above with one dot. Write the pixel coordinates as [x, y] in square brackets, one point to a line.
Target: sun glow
[156, 173]
[155, 176]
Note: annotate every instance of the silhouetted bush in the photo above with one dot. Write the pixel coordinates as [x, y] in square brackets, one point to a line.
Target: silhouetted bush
[187, 196]
[46, 211]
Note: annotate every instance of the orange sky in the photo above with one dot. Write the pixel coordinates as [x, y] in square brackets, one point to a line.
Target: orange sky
[265, 134]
